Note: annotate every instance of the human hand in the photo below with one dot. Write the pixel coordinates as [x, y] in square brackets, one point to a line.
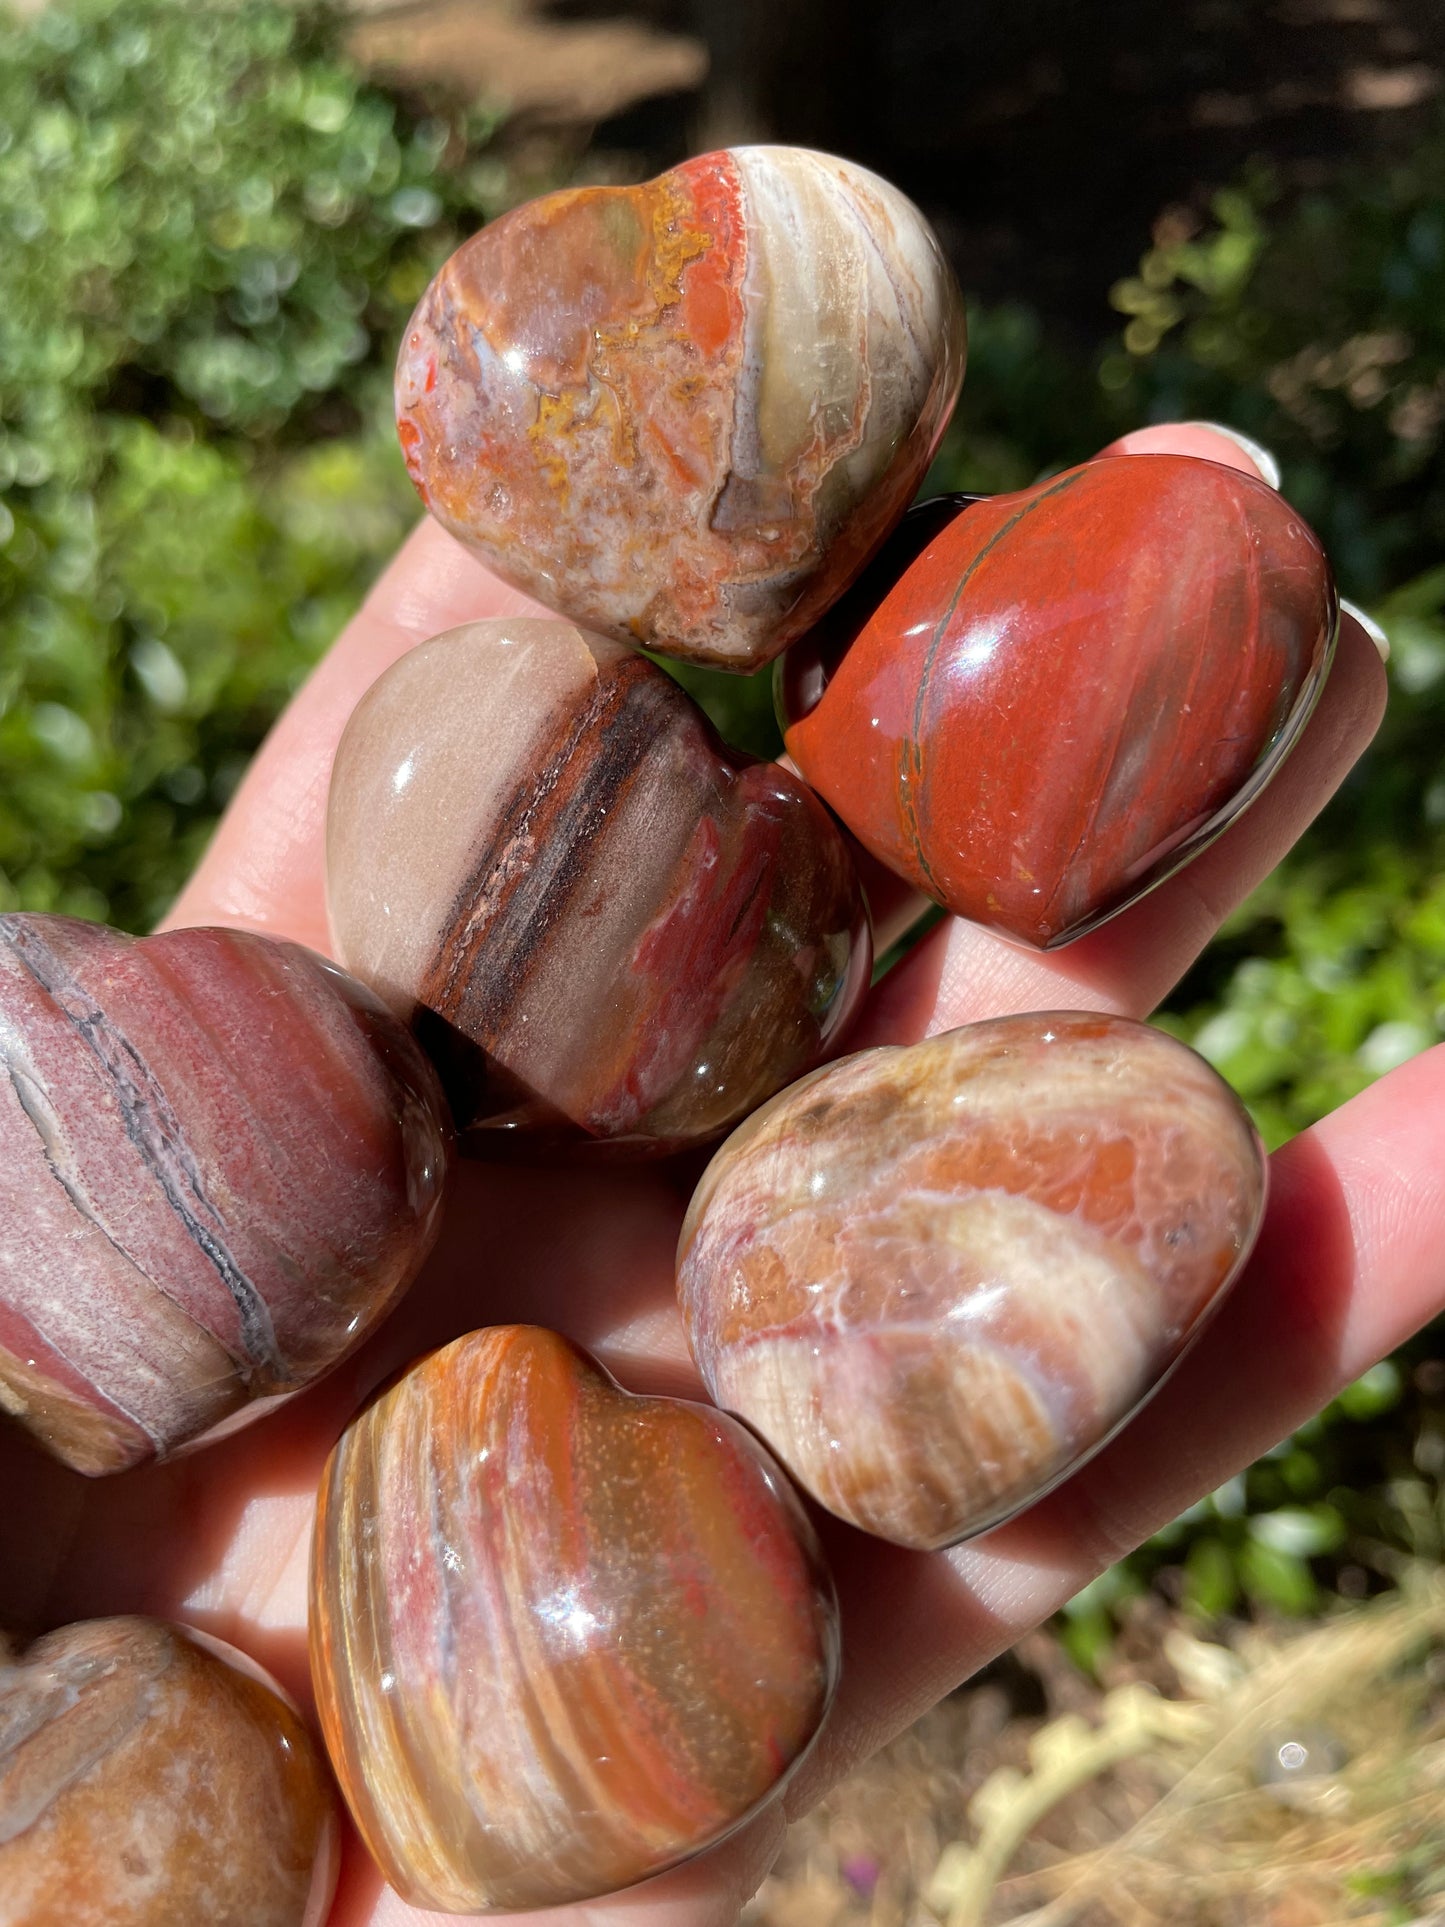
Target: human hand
[1347, 1266]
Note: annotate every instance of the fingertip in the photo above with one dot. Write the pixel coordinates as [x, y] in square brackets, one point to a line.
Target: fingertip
[1360, 665]
[1209, 441]
[1355, 614]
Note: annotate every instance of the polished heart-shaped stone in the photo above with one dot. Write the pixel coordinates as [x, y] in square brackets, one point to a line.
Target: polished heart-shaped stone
[221, 1162]
[153, 1777]
[561, 1637]
[684, 413]
[934, 1279]
[605, 927]
[1066, 693]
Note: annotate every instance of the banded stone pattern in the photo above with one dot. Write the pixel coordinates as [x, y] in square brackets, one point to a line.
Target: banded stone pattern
[151, 1777]
[935, 1279]
[221, 1161]
[561, 1637]
[605, 927]
[684, 413]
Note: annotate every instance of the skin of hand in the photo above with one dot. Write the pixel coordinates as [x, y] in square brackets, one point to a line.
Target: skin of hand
[1351, 1261]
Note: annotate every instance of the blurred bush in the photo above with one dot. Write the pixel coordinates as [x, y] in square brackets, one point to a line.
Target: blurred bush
[214, 229]
[1320, 328]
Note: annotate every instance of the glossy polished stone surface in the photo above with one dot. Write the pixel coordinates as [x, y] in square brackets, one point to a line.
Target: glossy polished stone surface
[603, 925]
[221, 1161]
[562, 1637]
[1070, 691]
[154, 1778]
[934, 1279]
[684, 413]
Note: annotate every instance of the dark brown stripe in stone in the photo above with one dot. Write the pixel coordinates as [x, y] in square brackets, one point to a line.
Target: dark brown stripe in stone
[504, 913]
[151, 1125]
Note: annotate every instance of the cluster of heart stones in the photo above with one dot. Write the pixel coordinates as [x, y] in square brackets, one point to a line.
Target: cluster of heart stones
[564, 1637]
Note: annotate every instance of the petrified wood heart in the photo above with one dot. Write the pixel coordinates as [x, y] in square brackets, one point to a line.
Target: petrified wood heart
[684, 413]
[1070, 691]
[221, 1161]
[606, 928]
[935, 1279]
[152, 1777]
[562, 1637]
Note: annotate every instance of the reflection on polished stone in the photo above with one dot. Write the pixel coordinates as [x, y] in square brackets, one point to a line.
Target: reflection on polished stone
[562, 1637]
[934, 1279]
[1069, 691]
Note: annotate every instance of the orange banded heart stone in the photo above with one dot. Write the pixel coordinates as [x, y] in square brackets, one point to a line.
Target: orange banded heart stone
[562, 1637]
[935, 1279]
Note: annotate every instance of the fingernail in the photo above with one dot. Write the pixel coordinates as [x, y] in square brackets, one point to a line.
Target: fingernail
[1256, 451]
[1371, 628]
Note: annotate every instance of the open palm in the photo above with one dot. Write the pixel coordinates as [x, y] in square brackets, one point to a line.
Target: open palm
[1352, 1259]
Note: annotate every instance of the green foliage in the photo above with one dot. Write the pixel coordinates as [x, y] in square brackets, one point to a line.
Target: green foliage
[1030, 405]
[214, 229]
[1320, 328]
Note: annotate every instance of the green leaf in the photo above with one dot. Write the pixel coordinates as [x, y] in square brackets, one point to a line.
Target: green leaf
[1277, 1580]
[1211, 1583]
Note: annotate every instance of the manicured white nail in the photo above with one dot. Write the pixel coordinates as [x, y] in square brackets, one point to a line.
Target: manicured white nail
[1371, 628]
[1256, 451]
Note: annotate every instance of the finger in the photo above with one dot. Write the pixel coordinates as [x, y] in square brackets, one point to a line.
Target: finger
[1211, 441]
[265, 868]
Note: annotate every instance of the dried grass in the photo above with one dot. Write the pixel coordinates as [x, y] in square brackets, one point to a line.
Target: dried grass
[1161, 1799]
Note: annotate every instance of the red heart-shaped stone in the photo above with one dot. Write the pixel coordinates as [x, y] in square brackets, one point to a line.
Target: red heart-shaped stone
[1069, 691]
[221, 1161]
[562, 1637]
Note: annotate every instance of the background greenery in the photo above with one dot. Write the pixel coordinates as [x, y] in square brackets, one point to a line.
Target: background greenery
[213, 230]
